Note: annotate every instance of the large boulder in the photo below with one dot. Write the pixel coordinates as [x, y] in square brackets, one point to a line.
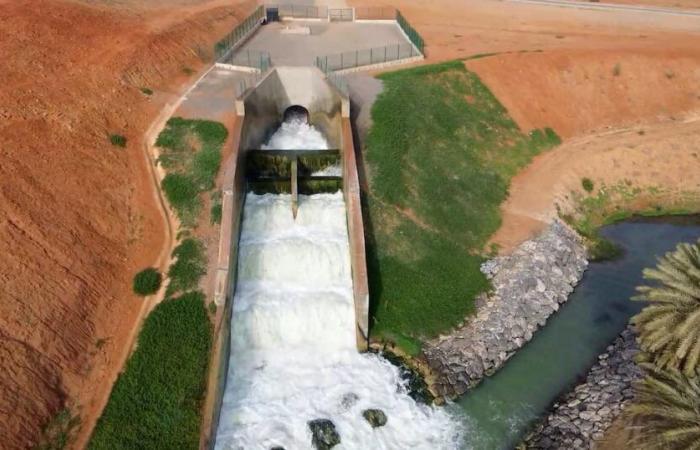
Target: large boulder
[375, 417]
[323, 434]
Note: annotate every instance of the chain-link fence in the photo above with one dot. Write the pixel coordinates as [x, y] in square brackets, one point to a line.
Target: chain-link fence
[250, 58]
[300, 11]
[366, 57]
[412, 34]
[339, 82]
[224, 46]
[375, 13]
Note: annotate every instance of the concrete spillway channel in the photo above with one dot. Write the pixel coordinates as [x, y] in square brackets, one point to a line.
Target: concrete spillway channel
[261, 110]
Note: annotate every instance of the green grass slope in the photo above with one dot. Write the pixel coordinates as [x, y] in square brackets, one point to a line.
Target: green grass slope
[440, 156]
[156, 401]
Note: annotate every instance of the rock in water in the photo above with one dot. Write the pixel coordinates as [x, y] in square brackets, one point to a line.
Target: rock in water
[375, 417]
[349, 400]
[324, 434]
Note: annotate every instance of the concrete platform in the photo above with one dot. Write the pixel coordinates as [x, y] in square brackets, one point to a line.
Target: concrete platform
[326, 38]
[214, 97]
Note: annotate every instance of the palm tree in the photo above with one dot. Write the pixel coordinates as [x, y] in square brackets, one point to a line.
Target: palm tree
[669, 327]
[665, 412]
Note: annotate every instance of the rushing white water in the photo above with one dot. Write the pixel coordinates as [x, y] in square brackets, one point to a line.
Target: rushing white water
[296, 134]
[293, 355]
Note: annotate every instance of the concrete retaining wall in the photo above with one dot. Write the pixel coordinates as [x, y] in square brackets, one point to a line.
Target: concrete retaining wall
[356, 236]
[232, 209]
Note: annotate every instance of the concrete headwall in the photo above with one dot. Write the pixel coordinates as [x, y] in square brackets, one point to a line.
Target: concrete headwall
[284, 87]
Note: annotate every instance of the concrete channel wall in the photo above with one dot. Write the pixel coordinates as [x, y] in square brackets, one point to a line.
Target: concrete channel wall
[260, 112]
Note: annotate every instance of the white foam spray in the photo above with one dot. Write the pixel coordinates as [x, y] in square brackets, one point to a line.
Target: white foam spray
[293, 356]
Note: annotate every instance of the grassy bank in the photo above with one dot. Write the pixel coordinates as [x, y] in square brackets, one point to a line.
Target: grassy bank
[440, 156]
[156, 401]
[597, 206]
[191, 156]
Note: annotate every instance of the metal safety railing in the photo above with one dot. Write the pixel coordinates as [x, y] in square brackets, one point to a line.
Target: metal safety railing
[242, 30]
[366, 57]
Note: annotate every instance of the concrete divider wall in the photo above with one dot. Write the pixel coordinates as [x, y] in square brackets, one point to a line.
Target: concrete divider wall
[356, 236]
[232, 211]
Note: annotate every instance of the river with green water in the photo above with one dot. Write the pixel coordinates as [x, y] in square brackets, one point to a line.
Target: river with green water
[503, 407]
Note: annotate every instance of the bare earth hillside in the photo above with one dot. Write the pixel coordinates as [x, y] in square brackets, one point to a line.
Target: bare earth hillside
[79, 216]
[586, 74]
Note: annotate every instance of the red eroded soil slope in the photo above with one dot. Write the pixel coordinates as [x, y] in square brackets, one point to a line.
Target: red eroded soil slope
[575, 91]
[78, 216]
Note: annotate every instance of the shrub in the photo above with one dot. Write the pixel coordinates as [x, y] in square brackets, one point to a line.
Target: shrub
[188, 268]
[216, 208]
[181, 191]
[147, 282]
[156, 402]
[216, 211]
[147, 91]
[117, 140]
[587, 184]
[617, 70]
[191, 156]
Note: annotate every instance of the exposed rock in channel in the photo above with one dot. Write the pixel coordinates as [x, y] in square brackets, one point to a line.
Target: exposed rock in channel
[581, 417]
[324, 436]
[375, 417]
[528, 286]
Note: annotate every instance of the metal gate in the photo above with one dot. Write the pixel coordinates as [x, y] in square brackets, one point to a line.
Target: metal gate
[340, 15]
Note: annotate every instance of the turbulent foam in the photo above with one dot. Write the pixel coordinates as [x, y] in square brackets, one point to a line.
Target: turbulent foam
[296, 134]
[293, 355]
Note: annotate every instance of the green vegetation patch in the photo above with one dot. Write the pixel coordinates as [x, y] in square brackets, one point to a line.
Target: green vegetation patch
[156, 402]
[587, 184]
[440, 156]
[117, 140]
[58, 431]
[147, 282]
[189, 267]
[216, 209]
[191, 156]
[620, 201]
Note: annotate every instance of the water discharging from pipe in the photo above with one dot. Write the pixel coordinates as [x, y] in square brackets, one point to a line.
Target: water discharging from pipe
[293, 355]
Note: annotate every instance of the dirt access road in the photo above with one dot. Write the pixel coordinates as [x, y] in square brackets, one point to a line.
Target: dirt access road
[79, 216]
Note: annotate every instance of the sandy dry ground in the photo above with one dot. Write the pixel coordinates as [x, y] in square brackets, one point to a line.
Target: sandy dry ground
[79, 217]
[666, 155]
[684, 4]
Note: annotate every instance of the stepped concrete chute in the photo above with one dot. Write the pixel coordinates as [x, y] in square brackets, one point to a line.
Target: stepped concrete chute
[261, 110]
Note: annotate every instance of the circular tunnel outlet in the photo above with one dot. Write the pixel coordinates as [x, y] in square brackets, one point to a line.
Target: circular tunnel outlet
[296, 113]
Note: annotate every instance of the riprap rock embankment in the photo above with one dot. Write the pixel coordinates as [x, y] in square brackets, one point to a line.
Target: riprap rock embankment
[528, 286]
